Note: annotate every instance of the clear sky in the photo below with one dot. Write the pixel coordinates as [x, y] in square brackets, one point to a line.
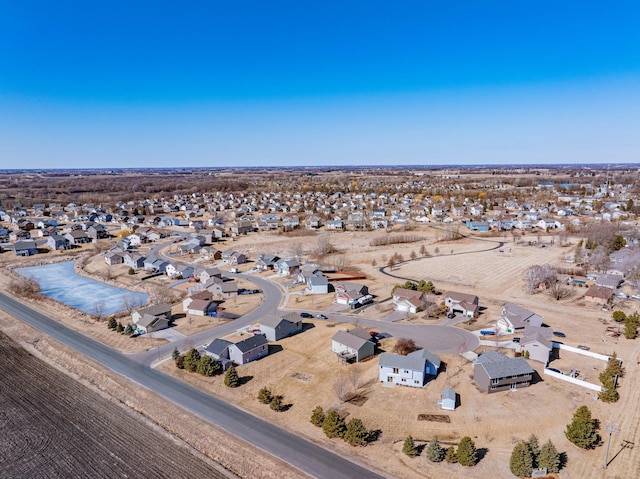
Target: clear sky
[252, 83]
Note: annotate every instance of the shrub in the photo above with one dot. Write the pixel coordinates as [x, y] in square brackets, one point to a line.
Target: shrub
[119, 328]
[409, 447]
[175, 354]
[435, 452]
[333, 425]
[549, 457]
[128, 330]
[265, 396]
[317, 416]
[112, 323]
[131, 271]
[207, 366]
[450, 455]
[180, 361]
[276, 403]
[231, 378]
[521, 462]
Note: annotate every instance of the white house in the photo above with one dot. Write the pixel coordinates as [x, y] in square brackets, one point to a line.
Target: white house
[410, 370]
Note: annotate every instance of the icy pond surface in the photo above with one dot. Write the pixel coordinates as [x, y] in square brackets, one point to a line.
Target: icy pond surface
[60, 282]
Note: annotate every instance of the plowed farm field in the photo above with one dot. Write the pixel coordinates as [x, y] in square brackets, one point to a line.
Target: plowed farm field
[52, 426]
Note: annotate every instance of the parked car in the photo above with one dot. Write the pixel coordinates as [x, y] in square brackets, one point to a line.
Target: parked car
[451, 315]
[559, 334]
[306, 315]
[622, 295]
[321, 316]
[486, 332]
[635, 296]
[233, 270]
[554, 370]
[516, 340]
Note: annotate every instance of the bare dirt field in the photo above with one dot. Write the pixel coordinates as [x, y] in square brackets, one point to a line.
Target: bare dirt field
[53, 426]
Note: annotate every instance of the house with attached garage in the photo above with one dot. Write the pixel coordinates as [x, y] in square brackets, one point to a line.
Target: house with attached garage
[204, 274]
[218, 349]
[462, 303]
[410, 370]
[160, 310]
[58, 242]
[201, 307]
[250, 349]
[599, 294]
[408, 300]
[134, 260]
[148, 323]
[494, 372]
[287, 267]
[354, 345]
[538, 342]
[233, 257]
[226, 289]
[317, 283]
[515, 318]
[347, 292]
[277, 327]
[25, 248]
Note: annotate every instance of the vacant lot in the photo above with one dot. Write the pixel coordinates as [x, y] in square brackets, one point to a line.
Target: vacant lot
[52, 427]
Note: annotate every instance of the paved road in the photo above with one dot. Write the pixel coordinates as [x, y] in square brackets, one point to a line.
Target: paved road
[300, 453]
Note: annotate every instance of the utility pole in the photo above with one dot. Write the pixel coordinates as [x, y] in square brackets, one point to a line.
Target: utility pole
[611, 429]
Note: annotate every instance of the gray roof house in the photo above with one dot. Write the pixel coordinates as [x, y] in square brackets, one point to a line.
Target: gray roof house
[58, 242]
[219, 350]
[410, 370]
[465, 304]
[317, 283]
[163, 310]
[351, 346]
[516, 317]
[250, 349]
[538, 343]
[277, 327]
[149, 323]
[495, 372]
[25, 248]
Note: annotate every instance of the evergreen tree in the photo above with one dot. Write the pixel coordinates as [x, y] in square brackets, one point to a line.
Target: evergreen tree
[276, 403]
[582, 429]
[180, 362]
[175, 354]
[549, 457]
[434, 451]
[333, 425]
[128, 330]
[112, 323]
[231, 378]
[356, 434]
[618, 316]
[450, 455]
[467, 453]
[207, 366]
[409, 447]
[521, 462]
[614, 366]
[534, 446]
[119, 328]
[317, 416]
[631, 326]
[191, 360]
[608, 393]
[264, 395]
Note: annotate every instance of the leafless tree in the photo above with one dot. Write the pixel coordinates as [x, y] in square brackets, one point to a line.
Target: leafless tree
[536, 275]
[423, 250]
[413, 254]
[160, 295]
[98, 309]
[405, 346]
[599, 259]
[354, 377]
[559, 290]
[297, 250]
[342, 388]
[632, 267]
[131, 302]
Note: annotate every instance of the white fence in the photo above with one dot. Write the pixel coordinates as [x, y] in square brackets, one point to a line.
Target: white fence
[579, 382]
[601, 357]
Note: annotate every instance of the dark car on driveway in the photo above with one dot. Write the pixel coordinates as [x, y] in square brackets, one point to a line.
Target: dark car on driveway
[306, 315]
[559, 334]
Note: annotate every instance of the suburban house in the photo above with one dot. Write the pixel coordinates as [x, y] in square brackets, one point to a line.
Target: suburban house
[461, 303]
[409, 300]
[266, 261]
[203, 294]
[58, 242]
[25, 248]
[278, 327]
[219, 350]
[449, 399]
[148, 323]
[134, 260]
[287, 267]
[354, 345]
[160, 310]
[599, 294]
[201, 307]
[516, 318]
[538, 343]
[155, 264]
[78, 237]
[226, 289]
[233, 257]
[204, 274]
[410, 370]
[495, 372]
[347, 292]
[250, 349]
[317, 283]
[612, 281]
[113, 258]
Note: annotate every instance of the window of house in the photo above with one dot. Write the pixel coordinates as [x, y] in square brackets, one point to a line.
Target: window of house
[404, 380]
[415, 381]
[395, 370]
[494, 381]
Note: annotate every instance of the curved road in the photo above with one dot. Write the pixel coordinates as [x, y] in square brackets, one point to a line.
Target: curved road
[300, 453]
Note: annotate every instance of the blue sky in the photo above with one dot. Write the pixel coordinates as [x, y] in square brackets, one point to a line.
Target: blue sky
[135, 84]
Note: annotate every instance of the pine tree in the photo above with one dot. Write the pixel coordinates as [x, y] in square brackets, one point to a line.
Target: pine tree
[534, 446]
[231, 378]
[317, 416]
[614, 366]
[521, 462]
[180, 362]
[333, 425]
[549, 457]
[264, 395]
[175, 354]
[409, 447]
[631, 326]
[119, 328]
[191, 360]
[112, 323]
[128, 330]
[434, 451]
[207, 366]
[276, 403]
[356, 434]
[467, 453]
[450, 455]
[582, 429]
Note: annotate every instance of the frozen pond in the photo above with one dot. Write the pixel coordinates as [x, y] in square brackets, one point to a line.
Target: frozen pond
[60, 282]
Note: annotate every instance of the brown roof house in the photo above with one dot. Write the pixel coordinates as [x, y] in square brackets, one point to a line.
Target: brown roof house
[160, 310]
[408, 300]
[461, 303]
[495, 372]
[599, 294]
[354, 345]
